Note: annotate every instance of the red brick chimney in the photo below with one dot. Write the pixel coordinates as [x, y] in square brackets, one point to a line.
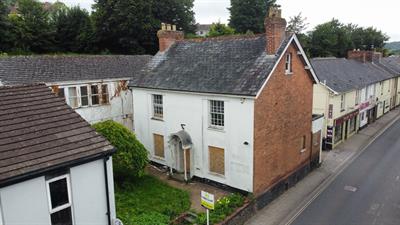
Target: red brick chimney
[168, 35]
[275, 30]
[364, 56]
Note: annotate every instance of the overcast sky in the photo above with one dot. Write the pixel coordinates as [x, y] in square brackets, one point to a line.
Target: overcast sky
[381, 14]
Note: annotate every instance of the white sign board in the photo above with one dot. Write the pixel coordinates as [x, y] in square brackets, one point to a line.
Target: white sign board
[207, 200]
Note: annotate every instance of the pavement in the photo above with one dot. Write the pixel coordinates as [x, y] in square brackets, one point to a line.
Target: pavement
[289, 206]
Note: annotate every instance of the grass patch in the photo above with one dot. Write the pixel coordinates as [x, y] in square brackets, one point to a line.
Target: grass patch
[149, 201]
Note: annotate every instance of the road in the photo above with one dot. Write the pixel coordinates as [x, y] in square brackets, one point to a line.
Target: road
[366, 192]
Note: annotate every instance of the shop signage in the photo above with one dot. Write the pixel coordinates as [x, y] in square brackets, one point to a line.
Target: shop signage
[346, 117]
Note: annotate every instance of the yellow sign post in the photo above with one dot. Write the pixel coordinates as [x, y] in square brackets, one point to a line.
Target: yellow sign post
[207, 201]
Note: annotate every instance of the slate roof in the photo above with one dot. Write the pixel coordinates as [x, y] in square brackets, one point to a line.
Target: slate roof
[39, 132]
[227, 65]
[392, 64]
[19, 70]
[343, 75]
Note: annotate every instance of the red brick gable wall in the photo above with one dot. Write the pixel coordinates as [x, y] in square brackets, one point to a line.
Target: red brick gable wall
[283, 115]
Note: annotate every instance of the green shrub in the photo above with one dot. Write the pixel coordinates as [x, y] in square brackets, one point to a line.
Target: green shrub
[223, 208]
[131, 157]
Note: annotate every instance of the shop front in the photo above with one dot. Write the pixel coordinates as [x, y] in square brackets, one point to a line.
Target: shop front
[343, 128]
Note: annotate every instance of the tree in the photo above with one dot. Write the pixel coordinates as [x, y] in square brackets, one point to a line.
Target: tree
[336, 39]
[130, 26]
[249, 15]
[219, 29]
[4, 28]
[297, 24]
[31, 28]
[74, 31]
[131, 157]
[330, 39]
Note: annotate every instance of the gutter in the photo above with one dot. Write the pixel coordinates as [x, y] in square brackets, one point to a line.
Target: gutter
[106, 158]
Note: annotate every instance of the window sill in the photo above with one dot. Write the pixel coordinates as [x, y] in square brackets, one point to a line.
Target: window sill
[159, 158]
[216, 175]
[157, 119]
[222, 130]
[288, 73]
[303, 150]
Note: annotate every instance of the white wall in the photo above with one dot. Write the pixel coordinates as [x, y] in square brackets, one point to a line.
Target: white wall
[192, 110]
[119, 109]
[89, 194]
[27, 202]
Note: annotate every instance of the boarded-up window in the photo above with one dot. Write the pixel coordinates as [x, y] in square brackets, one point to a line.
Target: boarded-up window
[159, 145]
[217, 160]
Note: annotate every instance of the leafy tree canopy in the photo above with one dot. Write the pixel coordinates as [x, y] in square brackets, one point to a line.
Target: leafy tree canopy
[297, 24]
[131, 157]
[249, 15]
[130, 26]
[336, 39]
[219, 29]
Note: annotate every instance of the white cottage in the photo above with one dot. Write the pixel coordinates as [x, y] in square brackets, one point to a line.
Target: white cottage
[94, 85]
[228, 109]
[54, 168]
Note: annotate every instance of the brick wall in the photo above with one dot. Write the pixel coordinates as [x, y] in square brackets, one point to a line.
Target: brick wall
[283, 115]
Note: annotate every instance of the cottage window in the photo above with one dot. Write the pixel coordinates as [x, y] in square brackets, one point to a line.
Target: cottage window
[73, 97]
[159, 145]
[158, 110]
[104, 94]
[357, 97]
[342, 102]
[59, 197]
[95, 95]
[217, 114]
[288, 64]
[60, 93]
[84, 96]
[303, 143]
[381, 84]
[216, 160]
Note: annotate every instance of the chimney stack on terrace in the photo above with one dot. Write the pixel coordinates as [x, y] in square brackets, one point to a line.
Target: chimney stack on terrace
[168, 35]
[364, 56]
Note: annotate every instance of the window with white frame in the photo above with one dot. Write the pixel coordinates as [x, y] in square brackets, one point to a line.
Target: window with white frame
[342, 102]
[158, 110]
[104, 94]
[73, 97]
[357, 97]
[84, 96]
[59, 197]
[217, 114]
[94, 94]
[288, 63]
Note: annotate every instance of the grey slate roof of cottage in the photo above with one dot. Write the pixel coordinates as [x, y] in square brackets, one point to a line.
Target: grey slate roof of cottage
[392, 64]
[40, 132]
[227, 65]
[19, 70]
[343, 75]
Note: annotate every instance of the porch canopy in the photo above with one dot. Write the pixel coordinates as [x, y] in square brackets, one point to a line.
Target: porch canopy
[185, 138]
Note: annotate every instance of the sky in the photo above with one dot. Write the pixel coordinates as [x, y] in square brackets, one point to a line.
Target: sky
[380, 14]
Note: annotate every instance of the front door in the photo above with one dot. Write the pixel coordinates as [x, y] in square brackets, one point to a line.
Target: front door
[181, 155]
[346, 129]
